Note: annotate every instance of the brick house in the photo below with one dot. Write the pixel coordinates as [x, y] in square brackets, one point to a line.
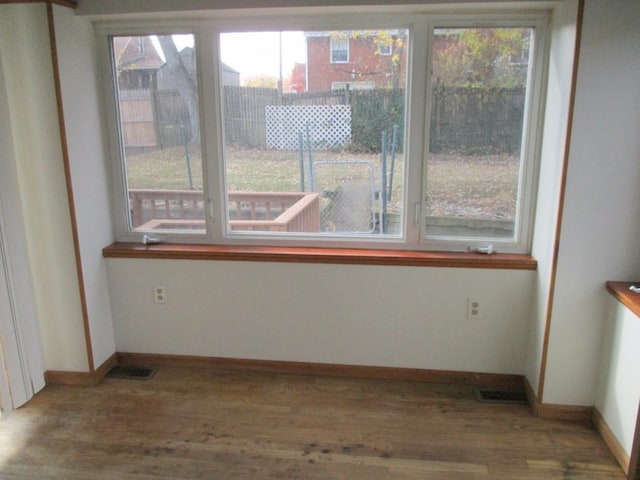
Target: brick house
[361, 60]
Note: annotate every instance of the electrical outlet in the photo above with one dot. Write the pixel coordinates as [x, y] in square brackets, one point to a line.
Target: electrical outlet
[159, 294]
[473, 309]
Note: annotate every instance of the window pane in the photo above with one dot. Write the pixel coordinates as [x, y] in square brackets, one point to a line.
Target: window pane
[340, 47]
[313, 147]
[160, 132]
[384, 49]
[479, 85]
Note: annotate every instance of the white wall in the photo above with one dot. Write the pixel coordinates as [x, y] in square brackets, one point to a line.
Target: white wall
[364, 315]
[27, 67]
[359, 315]
[601, 223]
[144, 8]
[618, 391]
[561, 54]
[414, 317]
[88, 162]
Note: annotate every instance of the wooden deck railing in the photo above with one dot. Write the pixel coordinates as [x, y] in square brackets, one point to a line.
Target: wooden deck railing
[152, 204]
[248, 211]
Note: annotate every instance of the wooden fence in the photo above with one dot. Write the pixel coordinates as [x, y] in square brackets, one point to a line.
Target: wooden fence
[244, 114]
[153, 118]
[138, 119]
[462, 119]
[245, 107]
[476, 120]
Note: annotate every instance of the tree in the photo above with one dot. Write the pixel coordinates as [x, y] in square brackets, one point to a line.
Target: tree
[481, 57]
[298, 78]
[261, 81]
[385, 38]
[186, 83]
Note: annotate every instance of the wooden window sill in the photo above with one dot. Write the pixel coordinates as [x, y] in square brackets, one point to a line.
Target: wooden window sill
[344, 256]
[620, 291]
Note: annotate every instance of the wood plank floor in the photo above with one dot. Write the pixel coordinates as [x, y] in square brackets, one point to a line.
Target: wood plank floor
[208, 424]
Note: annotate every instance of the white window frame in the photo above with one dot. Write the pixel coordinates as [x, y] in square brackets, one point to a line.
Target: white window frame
[414, 235]
[120, 195]
[333, 50]
[531, 141]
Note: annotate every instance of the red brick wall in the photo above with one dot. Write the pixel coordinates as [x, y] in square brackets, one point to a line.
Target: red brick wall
[363, 60]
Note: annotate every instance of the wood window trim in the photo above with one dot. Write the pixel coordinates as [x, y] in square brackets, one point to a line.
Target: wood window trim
[63, 3]
[342, 256]
[620, 291]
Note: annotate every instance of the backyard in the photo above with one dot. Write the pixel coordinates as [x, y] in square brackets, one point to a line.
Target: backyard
[458, 186]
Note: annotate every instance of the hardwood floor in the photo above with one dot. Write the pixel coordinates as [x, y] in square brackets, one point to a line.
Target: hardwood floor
[206, 424]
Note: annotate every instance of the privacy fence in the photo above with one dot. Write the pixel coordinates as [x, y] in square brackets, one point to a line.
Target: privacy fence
[371, 112]
[471, 120]
[153, 119]
[476, 120]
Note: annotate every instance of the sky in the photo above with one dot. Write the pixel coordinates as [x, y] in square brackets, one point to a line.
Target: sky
[254, 53]
[257, 53]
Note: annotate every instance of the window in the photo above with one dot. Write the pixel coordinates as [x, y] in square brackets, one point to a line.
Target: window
[339, 47]
[384, 47]
[326, 162]
[298, 151]
[159, 132]
[478, 111]
[352, 85]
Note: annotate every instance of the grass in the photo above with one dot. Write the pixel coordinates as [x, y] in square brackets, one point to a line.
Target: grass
[472, 186]
[458, 185]
[160, 169]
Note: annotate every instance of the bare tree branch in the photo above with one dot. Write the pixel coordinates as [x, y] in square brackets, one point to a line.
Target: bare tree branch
[186, 83]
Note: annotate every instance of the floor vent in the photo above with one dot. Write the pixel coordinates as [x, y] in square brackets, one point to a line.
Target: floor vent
[502, 396]
[134, 373]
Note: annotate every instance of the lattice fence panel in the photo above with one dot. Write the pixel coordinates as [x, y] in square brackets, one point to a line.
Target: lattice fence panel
[328, 126]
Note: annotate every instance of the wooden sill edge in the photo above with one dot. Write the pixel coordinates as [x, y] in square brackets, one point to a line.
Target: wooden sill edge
[343, 256]
[621, 292]
[63, 3]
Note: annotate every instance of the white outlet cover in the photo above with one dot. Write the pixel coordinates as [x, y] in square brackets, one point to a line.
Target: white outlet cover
[160, 294]
[473, 308]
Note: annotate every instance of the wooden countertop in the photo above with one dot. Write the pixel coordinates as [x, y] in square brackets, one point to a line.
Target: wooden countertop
[620, 290]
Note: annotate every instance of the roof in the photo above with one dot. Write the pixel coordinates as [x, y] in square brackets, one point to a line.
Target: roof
[137, 53]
